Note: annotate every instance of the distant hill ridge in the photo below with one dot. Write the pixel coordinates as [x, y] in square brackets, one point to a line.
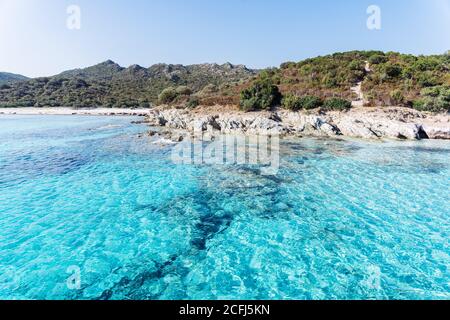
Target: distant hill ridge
[108, 84]
[6, 77]
[110, 70]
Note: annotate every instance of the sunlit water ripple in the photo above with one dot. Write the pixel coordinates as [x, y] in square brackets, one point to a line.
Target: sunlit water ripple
[341, 220]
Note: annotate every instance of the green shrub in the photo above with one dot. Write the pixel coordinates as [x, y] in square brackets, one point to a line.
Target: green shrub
[193, 102]
[267, 73]
[77, 84]
[168, 95]
[427, 79]
[356, 65]
[212, 88]
[397, 97]
[144, 104]
[330, 81]
[310, 102]
[435, 99]
[337, 104]
[184, 91]
[291, 102]
[295, 103]
[262, 95]
[419, 105]
[287, 65]
[377, 59]
[392, 71]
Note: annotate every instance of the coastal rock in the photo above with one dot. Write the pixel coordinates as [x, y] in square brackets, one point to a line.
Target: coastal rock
[172, 119]
[229, 125]
[329, 129]
[308, 124]
[371, 126]
[355, 128]
[437, 126]
[357, 123]
[437, 132]
[199, 125]
[265, 126]
[177, 137]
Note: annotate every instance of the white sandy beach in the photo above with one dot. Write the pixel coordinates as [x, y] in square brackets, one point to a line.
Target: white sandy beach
[70, 111]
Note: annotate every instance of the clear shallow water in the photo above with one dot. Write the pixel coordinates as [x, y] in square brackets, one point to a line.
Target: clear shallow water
[341, 220]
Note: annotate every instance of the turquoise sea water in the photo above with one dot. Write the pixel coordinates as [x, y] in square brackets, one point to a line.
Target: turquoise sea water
[341, 220]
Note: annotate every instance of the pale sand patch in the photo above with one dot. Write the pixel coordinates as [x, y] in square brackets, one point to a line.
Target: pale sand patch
[70, 111]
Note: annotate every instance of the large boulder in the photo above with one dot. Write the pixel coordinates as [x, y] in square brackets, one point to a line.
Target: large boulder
[264, 126]
[306, 124]
[437, 132]
[437, 126]
[369, 127]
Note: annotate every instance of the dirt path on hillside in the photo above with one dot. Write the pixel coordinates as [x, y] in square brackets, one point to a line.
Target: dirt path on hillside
[360, 101]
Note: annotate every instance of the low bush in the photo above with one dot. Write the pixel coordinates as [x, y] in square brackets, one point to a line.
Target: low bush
[427, 79]
[337, 104]
[262, 95]
[377, 59]
[193, 102]
[419, 105]
[397, 98]
[167, 95]
[210, 89]
[291, 102]
[435, 99]
[356, 65]
[184, 91]
[392, 71]
[288, 64]
[295, 103]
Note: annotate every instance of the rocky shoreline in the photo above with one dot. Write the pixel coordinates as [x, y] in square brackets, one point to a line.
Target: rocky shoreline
[366, 123]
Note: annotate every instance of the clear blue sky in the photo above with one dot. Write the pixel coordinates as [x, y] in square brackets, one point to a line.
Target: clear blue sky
[35, 41]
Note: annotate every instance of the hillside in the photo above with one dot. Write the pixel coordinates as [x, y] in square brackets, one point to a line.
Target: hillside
[6, 78]
[110, 85]
[385, 79]
[394, 79]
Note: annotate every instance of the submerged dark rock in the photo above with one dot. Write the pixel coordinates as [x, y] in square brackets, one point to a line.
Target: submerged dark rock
[209, 226]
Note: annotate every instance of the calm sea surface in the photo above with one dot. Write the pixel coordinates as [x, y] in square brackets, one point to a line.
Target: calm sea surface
[84, 198]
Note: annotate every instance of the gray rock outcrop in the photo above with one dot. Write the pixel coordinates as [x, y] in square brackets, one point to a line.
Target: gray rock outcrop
[390, 123]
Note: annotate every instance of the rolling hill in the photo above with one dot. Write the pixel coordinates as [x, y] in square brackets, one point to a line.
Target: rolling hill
[109, 85]
[6, 78]
[393, 79]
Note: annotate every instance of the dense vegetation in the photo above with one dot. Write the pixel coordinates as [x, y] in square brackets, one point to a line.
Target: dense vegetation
[393, 79]
[262, 95]
[337, 104]
[8, 78]
[407, 80]
[109, 85]
[295, 103]
[421, 82]
[434, 99]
